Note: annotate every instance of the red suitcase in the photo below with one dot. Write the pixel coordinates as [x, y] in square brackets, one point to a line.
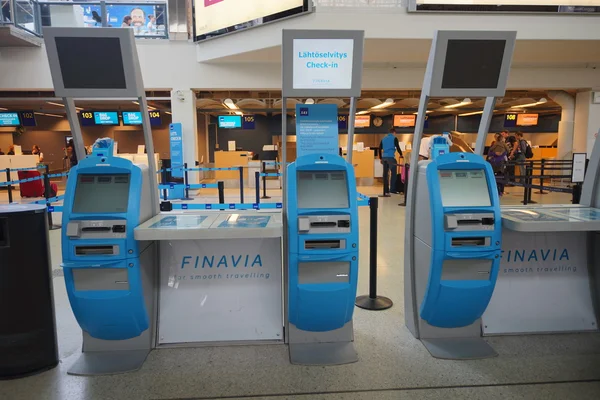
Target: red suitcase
[31, 189]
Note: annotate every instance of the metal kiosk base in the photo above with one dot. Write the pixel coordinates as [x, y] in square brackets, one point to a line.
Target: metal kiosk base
[472, 348]
[109, 362]
[322, 348]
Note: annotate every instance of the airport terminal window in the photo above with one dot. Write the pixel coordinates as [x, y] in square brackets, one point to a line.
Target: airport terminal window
[464, 188]
[91, 63]
[473, 64]
[323, 189]
[101, 194]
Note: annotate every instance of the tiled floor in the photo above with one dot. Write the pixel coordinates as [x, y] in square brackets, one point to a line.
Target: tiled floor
[392, 365]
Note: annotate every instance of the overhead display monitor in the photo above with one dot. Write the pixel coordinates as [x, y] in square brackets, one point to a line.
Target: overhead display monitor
[135, 118]
[527, 119]
[362, 121]
[510, 120]
[506, 6]
[342, 122]
[87, 63]
[9, 119]
[469, 63]
[102, 118]
[218, 17]
[27, 118]
[405, 121]
[230, 121]
[324, 63]
[248, 122]
[101, 194]
[323, 189]
[455, 183]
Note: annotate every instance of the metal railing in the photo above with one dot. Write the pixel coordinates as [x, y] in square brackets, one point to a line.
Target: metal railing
[148, 19]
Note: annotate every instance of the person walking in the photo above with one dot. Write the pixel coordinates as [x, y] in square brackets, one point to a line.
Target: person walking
[387, 155]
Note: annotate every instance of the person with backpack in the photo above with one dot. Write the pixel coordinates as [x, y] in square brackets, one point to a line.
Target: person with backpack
[387, 155]
[520, 153]
[497, 157]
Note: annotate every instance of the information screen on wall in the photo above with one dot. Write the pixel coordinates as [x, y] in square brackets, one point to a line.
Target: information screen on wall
[342, 122]
[27, 118]
[527, 119]
[135, 118]
[9, 119]
[102, 118]
[404, 121]
[230, 121]
[248, 122]
[510, 120]
[362, 121]
[217, 17]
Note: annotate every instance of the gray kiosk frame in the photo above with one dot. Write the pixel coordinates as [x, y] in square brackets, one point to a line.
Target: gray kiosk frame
[455, 343]
[316, 348]
[101, 357]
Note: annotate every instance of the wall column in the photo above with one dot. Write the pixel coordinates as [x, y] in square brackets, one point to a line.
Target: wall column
[183, 107]
[587, 123]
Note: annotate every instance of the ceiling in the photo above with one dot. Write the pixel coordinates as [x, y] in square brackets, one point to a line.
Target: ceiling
[269, 102]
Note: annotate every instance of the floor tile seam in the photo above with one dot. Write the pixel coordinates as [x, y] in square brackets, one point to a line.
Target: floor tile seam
[381, 390]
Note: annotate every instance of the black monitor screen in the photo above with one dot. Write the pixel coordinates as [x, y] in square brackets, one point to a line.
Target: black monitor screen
[473, 64]
[91, 63]
[322, 189]
[101, 194]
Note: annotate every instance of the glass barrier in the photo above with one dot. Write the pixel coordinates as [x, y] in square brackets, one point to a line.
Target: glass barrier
[148, 19]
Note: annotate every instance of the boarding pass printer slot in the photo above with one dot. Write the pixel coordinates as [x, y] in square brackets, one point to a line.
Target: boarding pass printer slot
[324, 244]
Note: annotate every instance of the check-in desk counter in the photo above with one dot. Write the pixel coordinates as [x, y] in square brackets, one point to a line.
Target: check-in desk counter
[271, 167]
[364, 166]
[230, 159]
[220, 278]
[15, 162]
[139, 159]
[546, 279]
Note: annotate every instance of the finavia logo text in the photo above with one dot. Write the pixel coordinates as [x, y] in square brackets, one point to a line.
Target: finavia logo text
[536, 255]
[241, 261]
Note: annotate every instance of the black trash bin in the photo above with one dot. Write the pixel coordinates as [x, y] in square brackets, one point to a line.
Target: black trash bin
[27, 323]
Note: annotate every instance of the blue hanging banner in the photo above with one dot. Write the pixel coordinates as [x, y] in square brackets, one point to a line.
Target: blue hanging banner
[316, 129]
[176, 138]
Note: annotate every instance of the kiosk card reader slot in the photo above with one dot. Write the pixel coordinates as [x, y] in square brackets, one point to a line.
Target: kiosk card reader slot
[323, 258]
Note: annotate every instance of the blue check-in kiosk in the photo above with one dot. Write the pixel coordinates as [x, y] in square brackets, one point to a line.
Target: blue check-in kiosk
[322, 232]
[108, 274]
[457, 250]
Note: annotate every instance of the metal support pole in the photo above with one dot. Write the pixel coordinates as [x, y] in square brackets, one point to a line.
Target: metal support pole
[47, 195]
[264, 180]
[406, 170]
[351, 118]
[372, 301]
[257, 186]
[541, 191]
[484, 125]
[149, 142]
[221, 188]
[164, 181]
[75, 128]
[9, 186]
[530, 182]
[241, 185]
[104, 14]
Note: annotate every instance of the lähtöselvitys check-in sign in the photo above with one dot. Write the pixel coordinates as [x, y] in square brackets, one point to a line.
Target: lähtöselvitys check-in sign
[323, 63]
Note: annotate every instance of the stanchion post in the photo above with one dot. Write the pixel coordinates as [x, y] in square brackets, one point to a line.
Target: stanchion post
[386, 184]
[47, 193]
[241, 185]
[372, 301]
[530, 183]
[257, 186]
[186, 181]
[221, 187]
[164, 182]
[542, 173]
[9, 186]
[406, 174]
[264, 180]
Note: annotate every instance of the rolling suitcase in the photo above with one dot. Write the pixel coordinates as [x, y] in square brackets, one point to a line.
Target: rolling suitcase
[33, 188]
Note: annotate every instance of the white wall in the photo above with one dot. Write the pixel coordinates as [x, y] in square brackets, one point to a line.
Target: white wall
[167, 65]
[587, 123]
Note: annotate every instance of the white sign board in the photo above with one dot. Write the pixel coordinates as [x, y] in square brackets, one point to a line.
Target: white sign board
[543, 285]
[578, 174]
[323, 63]
[220, 290]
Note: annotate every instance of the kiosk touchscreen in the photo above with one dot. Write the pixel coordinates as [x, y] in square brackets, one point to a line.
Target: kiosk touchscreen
[323, 259]
[457, 249]
[108, 274]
